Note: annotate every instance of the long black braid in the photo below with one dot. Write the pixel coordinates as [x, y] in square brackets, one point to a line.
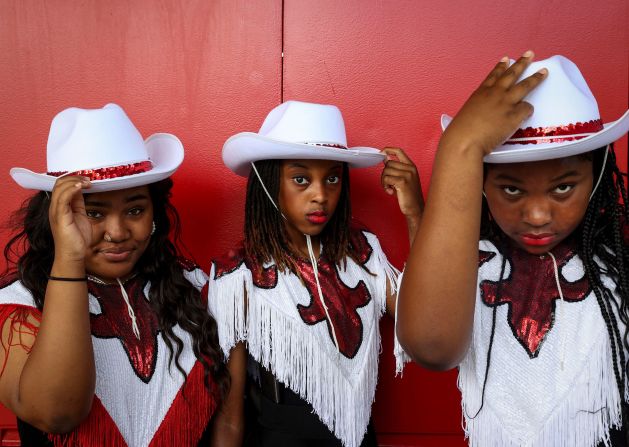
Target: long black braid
[602, 237]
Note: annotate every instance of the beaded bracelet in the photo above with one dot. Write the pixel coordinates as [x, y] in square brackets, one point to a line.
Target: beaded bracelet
[61, 278]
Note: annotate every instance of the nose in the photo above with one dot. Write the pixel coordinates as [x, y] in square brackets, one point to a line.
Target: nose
[537, 212]
[116, 229]
[319, 192]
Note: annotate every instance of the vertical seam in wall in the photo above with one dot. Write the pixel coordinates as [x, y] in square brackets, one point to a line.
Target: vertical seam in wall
[282, 59]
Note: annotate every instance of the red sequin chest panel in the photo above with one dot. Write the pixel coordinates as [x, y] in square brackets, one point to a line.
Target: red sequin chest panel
[530, 292]
[342, 300]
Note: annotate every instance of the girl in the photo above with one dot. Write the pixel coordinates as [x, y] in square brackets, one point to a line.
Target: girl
[535, 316]
[308, 286]
[105, 337]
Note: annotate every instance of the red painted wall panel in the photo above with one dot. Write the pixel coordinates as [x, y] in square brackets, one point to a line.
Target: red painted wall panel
[199, 69]
[393, 67]
[204, 70]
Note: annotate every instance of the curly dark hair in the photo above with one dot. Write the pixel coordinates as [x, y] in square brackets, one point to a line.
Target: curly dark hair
[30, 255]
[266, 239]
[599, 235]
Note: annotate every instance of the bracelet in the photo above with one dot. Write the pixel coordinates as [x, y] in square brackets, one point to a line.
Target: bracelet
[62, 278]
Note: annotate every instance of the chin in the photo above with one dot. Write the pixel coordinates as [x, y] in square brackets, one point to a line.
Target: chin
[538, 250]
[111, 272]
[314, 233]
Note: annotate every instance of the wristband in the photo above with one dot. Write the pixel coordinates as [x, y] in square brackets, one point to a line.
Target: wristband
[62, 278]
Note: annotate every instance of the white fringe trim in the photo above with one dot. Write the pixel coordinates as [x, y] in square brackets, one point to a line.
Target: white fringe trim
[582, 419]
[401, 357]
[293, 354]
[394, 279]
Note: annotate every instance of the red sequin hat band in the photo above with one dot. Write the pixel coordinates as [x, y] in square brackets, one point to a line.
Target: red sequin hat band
[555, 134]
[109, 172]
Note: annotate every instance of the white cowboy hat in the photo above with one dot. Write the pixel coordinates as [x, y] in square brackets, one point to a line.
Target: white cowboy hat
[104, 145]
[297, 130]
[565, 121]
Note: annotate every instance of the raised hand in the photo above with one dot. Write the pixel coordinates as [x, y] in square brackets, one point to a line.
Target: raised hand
[400, 178]
[496, 109]
[70, 226]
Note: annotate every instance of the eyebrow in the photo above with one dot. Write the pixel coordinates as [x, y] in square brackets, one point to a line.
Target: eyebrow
[509, 178]
[299, 165]
[105, 204]
[564, 176]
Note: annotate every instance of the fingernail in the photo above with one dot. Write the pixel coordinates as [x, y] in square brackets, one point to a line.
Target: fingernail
[527, 53]
[543, 71]
[505, 59]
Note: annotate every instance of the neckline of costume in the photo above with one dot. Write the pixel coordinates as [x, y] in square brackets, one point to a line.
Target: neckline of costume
[96, 280]
[125, 297]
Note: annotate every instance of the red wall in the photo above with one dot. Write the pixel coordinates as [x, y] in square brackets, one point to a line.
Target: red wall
[205, 70]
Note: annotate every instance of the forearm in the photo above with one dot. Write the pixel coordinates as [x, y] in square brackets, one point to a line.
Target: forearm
[412, 225]
[229, 422]
[436, 304]
[56, 385]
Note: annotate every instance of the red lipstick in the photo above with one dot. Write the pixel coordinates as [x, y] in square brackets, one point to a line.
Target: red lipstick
[317, 217]
[537, 240]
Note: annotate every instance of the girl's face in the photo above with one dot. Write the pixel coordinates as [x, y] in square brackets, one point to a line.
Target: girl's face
[127, 217]
[308, 196]
[539, 204]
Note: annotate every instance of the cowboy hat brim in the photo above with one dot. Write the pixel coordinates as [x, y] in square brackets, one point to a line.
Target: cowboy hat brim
[519, 153]
[246, 147]
[165, 152]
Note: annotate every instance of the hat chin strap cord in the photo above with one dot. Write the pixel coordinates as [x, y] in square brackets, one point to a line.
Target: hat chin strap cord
[313, 259]
[600, 176]
[562, 334]
[134, 322]
[125, 297]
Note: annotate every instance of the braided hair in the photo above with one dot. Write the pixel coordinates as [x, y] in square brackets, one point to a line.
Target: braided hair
[30, 255]
[599, 236]
[266, 238]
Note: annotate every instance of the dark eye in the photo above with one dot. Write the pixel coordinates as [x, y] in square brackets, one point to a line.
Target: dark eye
[334, 179]
[300, 180]
[563, 189]
[135, 211]
[93, 214]
[511, 190]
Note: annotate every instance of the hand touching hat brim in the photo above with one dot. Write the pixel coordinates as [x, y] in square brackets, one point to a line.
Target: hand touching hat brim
[165, 152]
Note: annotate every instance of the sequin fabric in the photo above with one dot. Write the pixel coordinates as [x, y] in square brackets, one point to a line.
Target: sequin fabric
[109, 172]
[556, 134]
[343, 301]
[530, 292]
[114, 322]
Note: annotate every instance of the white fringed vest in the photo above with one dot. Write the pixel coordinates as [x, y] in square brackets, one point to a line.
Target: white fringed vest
[139, 396]
[287, 332]
[551, 381]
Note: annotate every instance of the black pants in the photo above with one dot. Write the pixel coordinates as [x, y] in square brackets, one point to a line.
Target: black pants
[290, 423]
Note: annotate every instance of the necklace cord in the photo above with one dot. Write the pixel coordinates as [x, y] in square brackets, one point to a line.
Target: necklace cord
[562, 336]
